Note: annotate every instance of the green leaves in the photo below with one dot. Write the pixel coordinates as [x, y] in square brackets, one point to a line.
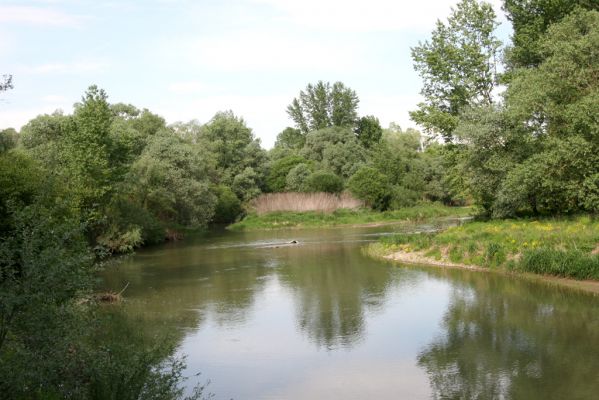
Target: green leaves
[324, 105]
[458, 67]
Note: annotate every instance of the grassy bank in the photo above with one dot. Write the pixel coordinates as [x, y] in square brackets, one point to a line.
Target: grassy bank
[279, 220]
[559, 247]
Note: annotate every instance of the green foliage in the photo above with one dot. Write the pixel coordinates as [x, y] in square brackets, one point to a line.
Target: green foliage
[246, 184]
[324, 105]
[458, 67]
[234, 146]
[369, 131]
[324, 181]
[8, 139]
[228, 207]
[171, 180]
[562, 247]
[530, 20]
[290, 138]
[336, 149]
[296, 180]
[370, 185]
[279, 169]
[283, 220]
[6, 83]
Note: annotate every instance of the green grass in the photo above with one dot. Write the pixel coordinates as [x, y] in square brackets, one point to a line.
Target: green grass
[564, 247]
[281, 220]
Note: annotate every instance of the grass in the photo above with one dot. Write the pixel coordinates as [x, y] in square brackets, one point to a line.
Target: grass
[280, 220]
[302, 202]
[565, 247]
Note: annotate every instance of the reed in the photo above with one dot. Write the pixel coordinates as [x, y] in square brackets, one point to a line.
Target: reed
[303, 202]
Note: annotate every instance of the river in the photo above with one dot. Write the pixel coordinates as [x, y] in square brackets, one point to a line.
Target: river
[265, 319]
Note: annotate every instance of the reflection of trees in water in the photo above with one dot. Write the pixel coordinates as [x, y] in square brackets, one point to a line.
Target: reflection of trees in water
[506, 338]
[332, 287]
[183, 288]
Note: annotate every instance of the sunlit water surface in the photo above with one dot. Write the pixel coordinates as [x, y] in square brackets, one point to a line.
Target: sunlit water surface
[264, 319]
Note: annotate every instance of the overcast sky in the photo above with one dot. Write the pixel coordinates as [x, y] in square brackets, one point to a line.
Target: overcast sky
[189, 59]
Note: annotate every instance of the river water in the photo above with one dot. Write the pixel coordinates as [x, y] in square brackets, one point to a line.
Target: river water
[264, 319]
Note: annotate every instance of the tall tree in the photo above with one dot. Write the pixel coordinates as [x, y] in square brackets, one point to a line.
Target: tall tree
[530, 20]
[324, 105]
[458, 67]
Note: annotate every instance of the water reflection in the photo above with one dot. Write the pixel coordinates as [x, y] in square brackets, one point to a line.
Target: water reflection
[264, 319]
[510, 339]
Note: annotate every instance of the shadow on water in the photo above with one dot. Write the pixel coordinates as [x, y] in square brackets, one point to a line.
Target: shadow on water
[264, 318]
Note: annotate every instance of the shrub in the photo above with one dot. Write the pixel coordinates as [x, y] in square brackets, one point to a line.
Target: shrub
[324, 181]
[297, 177]
[277, 176]
[228, 206]
[370, 185]
[402, 197]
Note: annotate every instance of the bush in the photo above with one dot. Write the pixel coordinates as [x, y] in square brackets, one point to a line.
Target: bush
[297, 177]
[277, 176]
[370, 185]
[228, 206]
[402, 197]
[324, 181]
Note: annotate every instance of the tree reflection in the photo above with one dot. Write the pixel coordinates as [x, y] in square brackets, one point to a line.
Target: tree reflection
[505, 338]
[332, 287]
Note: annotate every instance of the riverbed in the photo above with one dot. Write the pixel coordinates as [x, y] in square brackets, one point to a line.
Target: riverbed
[264, 318]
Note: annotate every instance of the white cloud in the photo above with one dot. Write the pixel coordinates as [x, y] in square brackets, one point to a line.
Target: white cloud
[243, 51]
[187, 87]
[52, 98]
[67, 68]
[16, 118]
[365, 16]
[38, 16]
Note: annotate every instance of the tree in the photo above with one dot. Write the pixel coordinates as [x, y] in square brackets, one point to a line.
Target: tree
[6, 83]
[458, 67]
[530, 20]
[277, 176]
[370, 185]
[297, 177]
[290, 138]
[324, 181]
[324, 105]
[369, 131]
[336, 149]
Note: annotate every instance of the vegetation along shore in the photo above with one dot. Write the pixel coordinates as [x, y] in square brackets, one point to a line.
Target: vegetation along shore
[559, 247]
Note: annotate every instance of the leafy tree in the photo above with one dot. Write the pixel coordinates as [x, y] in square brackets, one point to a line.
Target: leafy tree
[8, 139]
[171, 179]
[324, 181]
[370, 185]
[290, 138]
[458, 67]
[296, 180]
[369, 131]
[246, 184]
[530, 20]
[336, 148]
[228, 206]
[324, 105]
[277, 175]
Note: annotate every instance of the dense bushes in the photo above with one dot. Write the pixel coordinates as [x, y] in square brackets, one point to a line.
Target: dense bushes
[323, 181]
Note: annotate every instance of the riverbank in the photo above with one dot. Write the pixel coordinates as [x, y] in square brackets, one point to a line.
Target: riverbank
[567, 250]
[286, 220]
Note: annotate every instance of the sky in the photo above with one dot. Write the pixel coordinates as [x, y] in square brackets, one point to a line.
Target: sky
[185, 59]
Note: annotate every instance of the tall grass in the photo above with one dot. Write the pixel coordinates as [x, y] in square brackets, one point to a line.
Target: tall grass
[567, 247]
[302, 202]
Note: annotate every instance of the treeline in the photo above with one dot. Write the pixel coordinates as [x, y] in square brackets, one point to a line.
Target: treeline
[534, 148]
